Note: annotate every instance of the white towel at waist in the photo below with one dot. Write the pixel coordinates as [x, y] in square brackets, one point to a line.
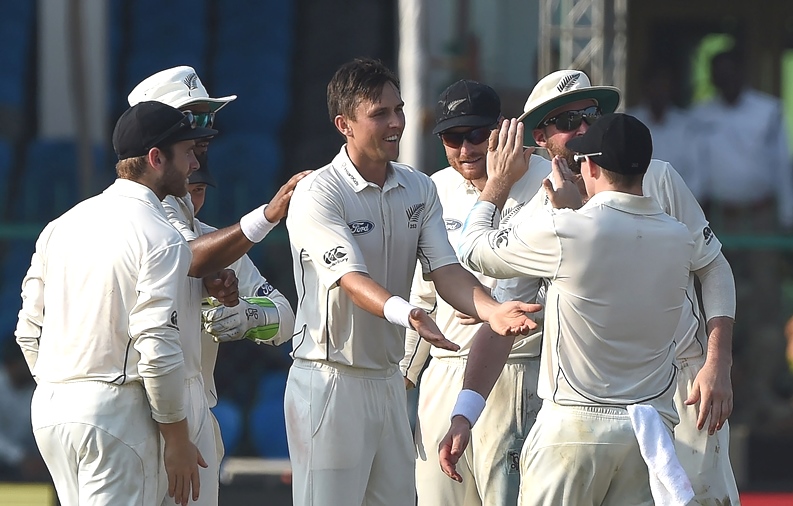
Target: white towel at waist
[669, 483]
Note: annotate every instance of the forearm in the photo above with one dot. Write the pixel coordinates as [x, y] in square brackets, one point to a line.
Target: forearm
[365, 292]
[489, 353]
[720, 342]
[175, 432]
[463, 291]
[166, 396]
[496, 191]
[217, 250]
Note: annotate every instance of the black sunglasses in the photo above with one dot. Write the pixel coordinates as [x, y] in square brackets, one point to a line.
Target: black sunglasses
[203, 119]
[188, 120]
[456, 139]
[569, 121]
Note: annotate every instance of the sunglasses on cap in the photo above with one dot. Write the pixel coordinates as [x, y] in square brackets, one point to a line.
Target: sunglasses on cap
[203, 119]
[456, 139]
[578, 158]
[188, 120]
[569, 121]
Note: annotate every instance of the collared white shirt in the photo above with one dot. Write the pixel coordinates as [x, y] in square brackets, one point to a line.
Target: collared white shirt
[618, 267]
[100, 297]
[744, 150]
[458, 196]
[340, 223]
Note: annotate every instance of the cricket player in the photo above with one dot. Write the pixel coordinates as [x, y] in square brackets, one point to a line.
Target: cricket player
[604, 348]
[466, 113]
[100, 326]
[264, 308]
[357, 227]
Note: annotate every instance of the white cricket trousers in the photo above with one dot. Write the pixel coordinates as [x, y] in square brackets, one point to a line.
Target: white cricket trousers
[583, 456]
[490, 465]
[201, 430]
[349, 436]
[99, 442]
[706, 459]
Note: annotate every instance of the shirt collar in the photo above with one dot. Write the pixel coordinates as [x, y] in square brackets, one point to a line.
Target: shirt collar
[626, 202]
[135, 190]
[350, 173]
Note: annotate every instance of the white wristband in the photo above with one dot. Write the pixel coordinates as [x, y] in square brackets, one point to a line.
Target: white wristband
[397, 311]
[469, 405]
[255, 225]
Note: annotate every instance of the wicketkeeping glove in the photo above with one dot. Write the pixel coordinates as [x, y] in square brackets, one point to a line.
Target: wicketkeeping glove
[254, 318]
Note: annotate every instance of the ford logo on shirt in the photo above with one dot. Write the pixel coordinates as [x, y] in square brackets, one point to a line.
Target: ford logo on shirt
[360, 227]
[452, 224]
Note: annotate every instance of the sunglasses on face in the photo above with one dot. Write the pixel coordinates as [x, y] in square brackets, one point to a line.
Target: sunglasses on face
[456, 139]
[188, 120]
[203, 119]
[569, 121]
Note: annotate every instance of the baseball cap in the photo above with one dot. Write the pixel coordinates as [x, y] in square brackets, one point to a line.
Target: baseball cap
[149, 124]
[467, 103]
[177, 87]
[563, 87]
[623, 143]
[202, 175]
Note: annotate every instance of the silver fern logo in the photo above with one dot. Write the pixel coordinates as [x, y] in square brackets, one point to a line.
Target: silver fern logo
[191, 81]
[454, 103]
[414, 213]
[510, 212]
[567, 82]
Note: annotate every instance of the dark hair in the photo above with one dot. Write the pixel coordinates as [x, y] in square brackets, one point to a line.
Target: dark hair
[356, 81]
[133, 168]
[622, 181]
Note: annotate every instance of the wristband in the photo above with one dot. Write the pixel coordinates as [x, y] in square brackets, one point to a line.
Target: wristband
[397, 311]
[469, 405]
[255, 226]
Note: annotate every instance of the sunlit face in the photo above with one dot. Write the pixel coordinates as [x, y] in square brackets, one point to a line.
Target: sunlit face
[469, 159]
[198, 193]
[173, 180]
[554, 140]
[373, 136]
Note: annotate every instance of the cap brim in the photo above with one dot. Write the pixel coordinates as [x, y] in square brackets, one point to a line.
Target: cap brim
[190, 134]
[215, 104]
[202, 175]
[464, 121]
[607, 97]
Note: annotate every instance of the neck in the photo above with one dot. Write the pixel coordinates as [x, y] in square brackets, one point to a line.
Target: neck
[150, 184]
[371, 170]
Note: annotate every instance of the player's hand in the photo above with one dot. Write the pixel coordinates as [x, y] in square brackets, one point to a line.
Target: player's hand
[453, 445]
[429, 331]
[182, 459]
[409, 385]
[507, 158]
[561, 187]
[510, 318]
[279, 205]
[224, 286]
[254, 318]
[465, 319]
[712, 389]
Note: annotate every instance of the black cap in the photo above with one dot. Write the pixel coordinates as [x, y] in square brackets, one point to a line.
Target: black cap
[202, 175]
[469, 104]
[149, 124]
[624, 141]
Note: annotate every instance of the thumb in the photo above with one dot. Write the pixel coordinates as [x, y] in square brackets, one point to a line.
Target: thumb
[693, 397]
[527, 152]
[201, 461]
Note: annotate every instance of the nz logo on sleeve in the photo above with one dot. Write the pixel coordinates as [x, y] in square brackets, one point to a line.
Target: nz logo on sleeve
[501, 239]
[414, 213]
[707, 233]
[265, 289]
[512, 211]
[452, 224]
[335, 256]
[174, 319]
[360, 227]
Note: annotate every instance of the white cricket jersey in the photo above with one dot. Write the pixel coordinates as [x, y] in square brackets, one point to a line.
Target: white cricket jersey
[663, 184]
[618, 267]
[458, 196]
[100, 297]
[339, 223]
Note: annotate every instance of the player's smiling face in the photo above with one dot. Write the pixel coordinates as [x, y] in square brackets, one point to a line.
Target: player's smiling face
[554, 139]
[470, 160]
[373, 136]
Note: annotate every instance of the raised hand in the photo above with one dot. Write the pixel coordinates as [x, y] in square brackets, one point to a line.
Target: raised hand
[561, 187]
[279, 205]
[510, 318]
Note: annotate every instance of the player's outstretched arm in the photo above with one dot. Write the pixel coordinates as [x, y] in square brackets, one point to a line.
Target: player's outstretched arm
[279, 205]
[182, 459]
[712, 387]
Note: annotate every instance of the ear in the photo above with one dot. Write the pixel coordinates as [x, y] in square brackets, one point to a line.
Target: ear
[593, 169]
[156, 158]
[342, 125]
[539, 137]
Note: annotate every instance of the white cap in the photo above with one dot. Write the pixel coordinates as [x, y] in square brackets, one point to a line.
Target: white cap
[177, 87]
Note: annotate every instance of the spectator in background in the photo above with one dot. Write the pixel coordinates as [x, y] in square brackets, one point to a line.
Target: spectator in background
[19, 458]
[669, 125]
[741, 143]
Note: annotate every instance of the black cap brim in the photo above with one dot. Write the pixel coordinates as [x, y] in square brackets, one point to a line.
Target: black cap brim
[189, 134]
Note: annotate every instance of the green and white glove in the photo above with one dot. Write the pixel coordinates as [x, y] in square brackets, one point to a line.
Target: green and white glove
[254, 318]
